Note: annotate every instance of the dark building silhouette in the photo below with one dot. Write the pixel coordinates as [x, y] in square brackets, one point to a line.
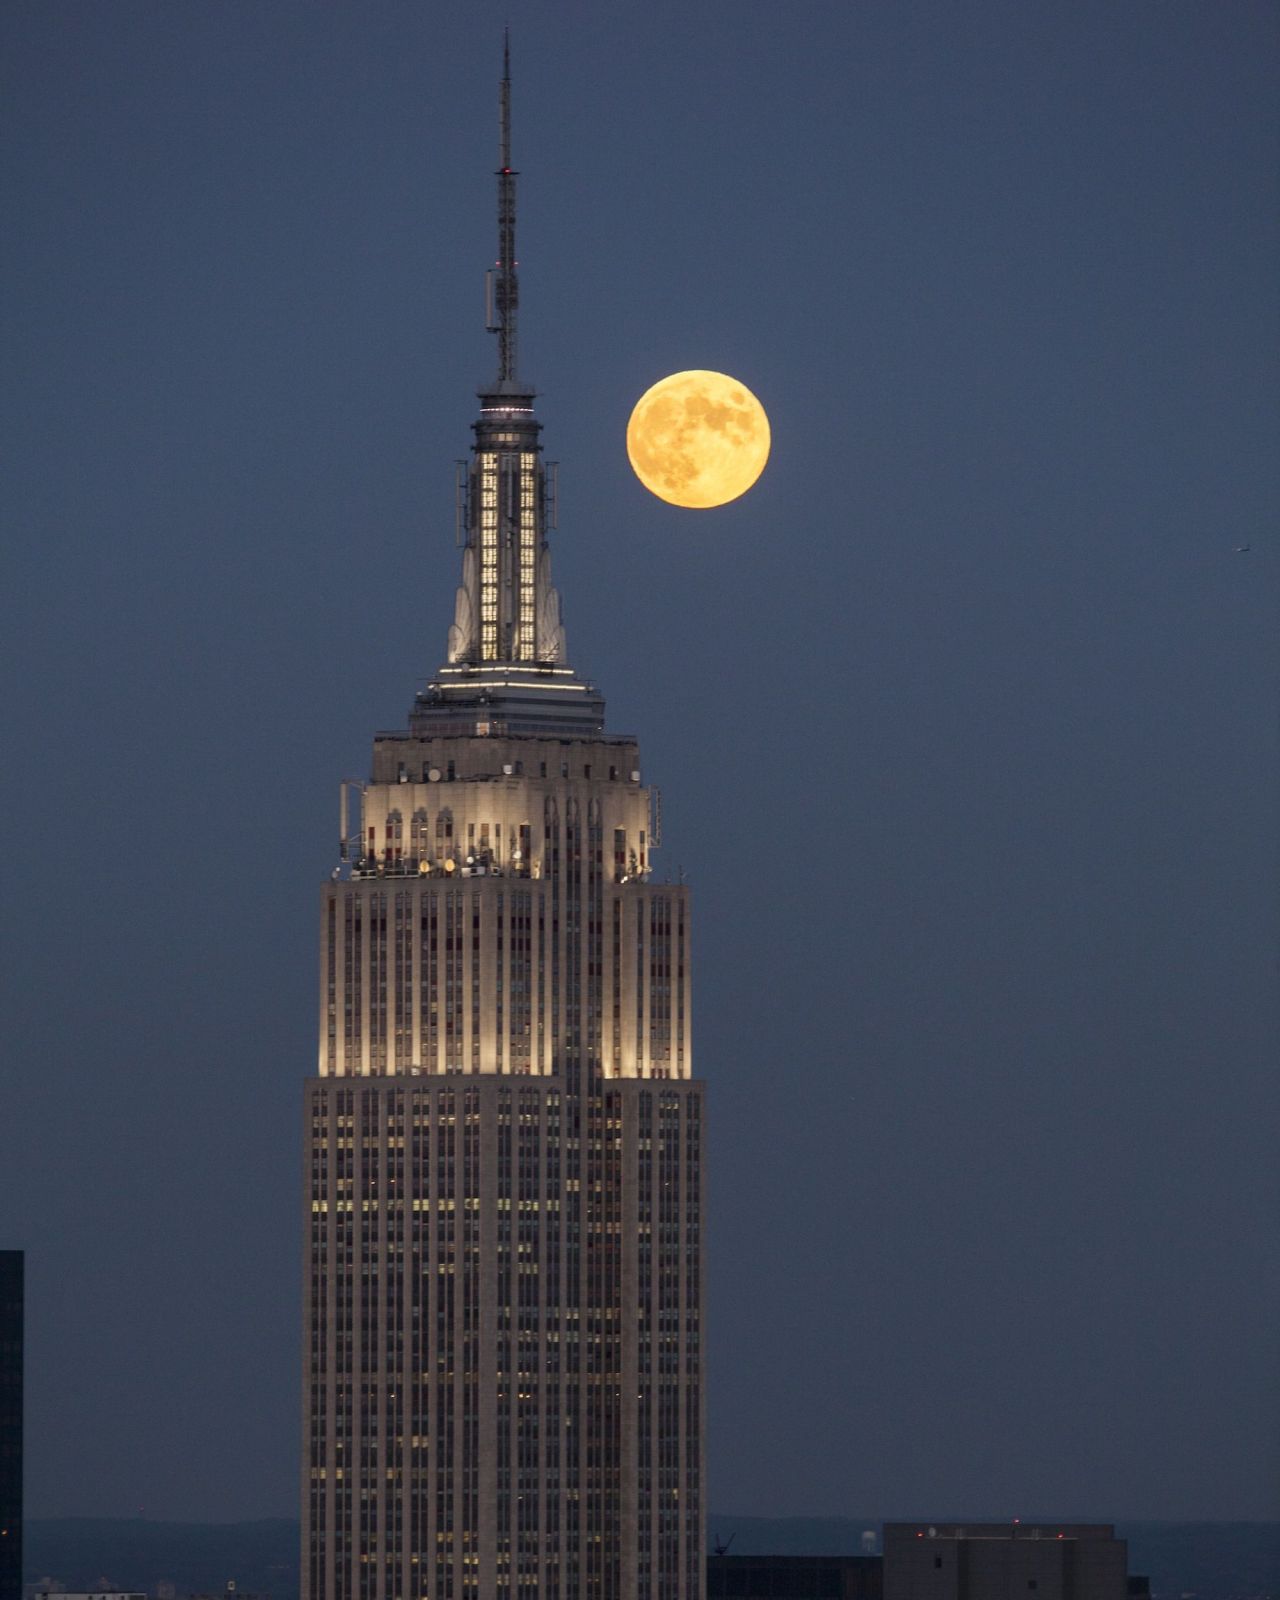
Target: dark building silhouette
[999, 1560]
[929, 1561]
[11, 1352]
[502, 1369]
[731, 1577]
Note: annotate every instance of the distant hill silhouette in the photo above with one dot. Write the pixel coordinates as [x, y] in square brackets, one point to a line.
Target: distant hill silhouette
[1212, 1560]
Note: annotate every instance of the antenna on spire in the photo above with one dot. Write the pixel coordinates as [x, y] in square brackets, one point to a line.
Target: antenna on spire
[504, 104]
[502, 290]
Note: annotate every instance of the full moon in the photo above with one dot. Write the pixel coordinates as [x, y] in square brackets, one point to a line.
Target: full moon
[698, 439]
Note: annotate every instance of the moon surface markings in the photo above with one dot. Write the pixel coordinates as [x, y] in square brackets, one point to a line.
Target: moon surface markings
[698, 439]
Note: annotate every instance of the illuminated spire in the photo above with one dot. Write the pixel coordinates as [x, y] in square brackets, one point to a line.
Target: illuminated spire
[506, 667]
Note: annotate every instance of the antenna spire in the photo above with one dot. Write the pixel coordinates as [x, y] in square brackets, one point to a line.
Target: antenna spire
[505, 101]
[505, 294]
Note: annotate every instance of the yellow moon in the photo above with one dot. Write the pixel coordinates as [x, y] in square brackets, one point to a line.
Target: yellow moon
[698, 439]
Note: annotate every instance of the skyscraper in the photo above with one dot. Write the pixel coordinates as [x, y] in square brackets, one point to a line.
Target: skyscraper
[502, 1365]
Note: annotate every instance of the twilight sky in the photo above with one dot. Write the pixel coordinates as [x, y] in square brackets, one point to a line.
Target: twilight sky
[965, 717]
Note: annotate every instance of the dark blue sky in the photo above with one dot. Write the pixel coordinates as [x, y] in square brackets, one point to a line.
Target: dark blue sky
[965, 717]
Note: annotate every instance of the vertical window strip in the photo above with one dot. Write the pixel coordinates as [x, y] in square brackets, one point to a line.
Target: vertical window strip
[640, 986]
[616, 988]
[526, 646]
[488, 556]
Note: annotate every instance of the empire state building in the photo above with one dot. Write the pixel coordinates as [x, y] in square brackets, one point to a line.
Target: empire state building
[502, 1367]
